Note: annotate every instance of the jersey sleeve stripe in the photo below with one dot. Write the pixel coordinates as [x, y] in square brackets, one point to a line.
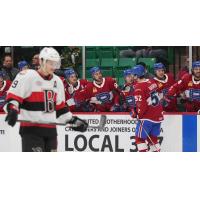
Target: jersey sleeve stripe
[11, 96]
[38, 97]
[61, 111]
[33, 106]
[27, 124]
[60, 106]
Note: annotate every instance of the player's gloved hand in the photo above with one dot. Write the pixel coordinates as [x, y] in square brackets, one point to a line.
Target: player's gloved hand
[133, 114]
[80, 125]
[115, 108]
[12, 115]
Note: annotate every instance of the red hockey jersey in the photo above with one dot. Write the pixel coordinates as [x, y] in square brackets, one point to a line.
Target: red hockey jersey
[147, 101]
[191, 90]
[3, 93]
[103, 96]
[70, 91]
[163, 88]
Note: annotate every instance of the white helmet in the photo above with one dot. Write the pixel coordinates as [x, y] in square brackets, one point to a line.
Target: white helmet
[50, 54]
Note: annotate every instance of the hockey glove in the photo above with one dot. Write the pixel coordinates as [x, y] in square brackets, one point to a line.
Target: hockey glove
[12, 115]
[115, 108]
[133, 114]
[81, 125]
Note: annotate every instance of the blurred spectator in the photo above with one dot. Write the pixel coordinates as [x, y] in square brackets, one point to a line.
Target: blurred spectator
[35, 62]
[148, 52]
[23, 65]
[71, 57]
[4, 86]
[129, 53]
[8, 69]
[184, 70]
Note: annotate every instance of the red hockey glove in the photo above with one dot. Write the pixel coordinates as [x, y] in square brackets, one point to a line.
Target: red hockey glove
[133, 114]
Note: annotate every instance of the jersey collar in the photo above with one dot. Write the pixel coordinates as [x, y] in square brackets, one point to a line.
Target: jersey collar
[162, 81]
[99, 86]
[49, 77]
[77, 87]
[195, 82]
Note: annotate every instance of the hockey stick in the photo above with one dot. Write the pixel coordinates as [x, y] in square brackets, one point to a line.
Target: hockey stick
[100, 125]
[158, 150]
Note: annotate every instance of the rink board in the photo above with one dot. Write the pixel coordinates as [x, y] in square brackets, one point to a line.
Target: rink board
[178, 133]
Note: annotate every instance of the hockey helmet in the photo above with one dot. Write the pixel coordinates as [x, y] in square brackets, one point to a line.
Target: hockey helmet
[195, 64]
[158, 66]
[138, 70]
[49, 53]
[22, 64]
[93, 70]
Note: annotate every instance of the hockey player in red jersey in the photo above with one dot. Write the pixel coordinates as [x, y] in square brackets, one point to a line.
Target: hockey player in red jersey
[73, 86]
[103, 92]
[39, 96]
[128, 91]
[4, 86]
[164, 82]
[148, 111]
[189, 86]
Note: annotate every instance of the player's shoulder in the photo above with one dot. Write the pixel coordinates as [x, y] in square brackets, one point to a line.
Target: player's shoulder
[109, 79]
[84, 81]
[27, 74]
[8, 82]
[186, 78]
[58, 79]
[90, 84]
[150, 81]
[170, 76]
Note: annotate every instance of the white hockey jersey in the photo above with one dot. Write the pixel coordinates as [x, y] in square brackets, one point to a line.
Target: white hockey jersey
[39, 99]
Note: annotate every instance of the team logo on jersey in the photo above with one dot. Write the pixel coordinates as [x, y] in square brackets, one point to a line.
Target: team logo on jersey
[94, 90]
[103, 97]
[190, 84]
[49, 101]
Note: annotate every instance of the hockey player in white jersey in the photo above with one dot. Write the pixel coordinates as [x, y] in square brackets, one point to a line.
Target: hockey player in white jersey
[39, 97]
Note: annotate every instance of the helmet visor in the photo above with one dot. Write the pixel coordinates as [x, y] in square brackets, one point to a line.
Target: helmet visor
[54, 64]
